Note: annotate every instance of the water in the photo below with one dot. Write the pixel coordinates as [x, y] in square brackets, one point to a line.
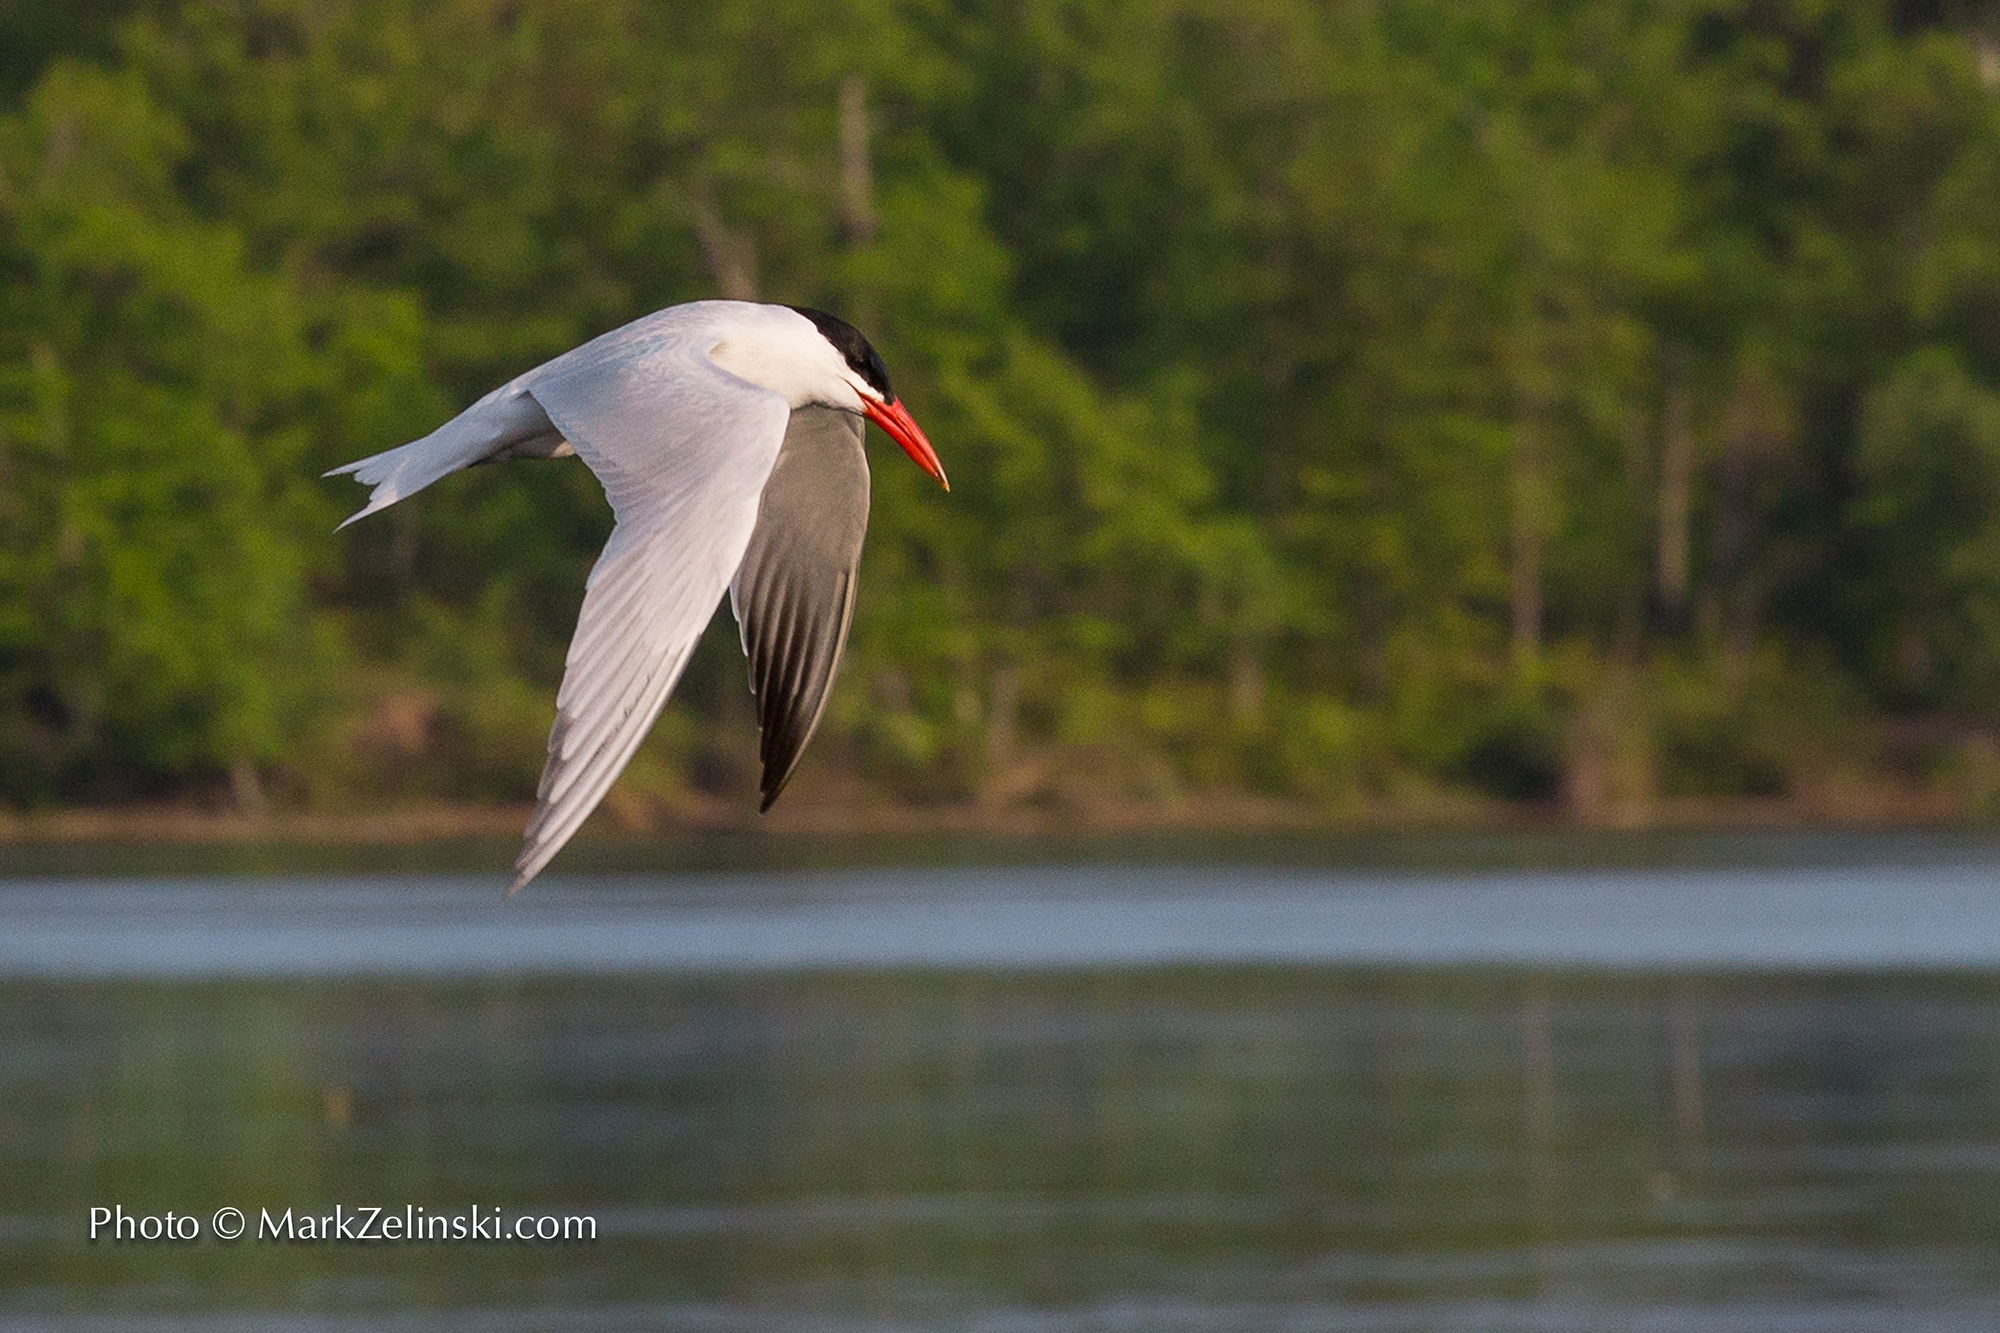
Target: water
[1746, 1084]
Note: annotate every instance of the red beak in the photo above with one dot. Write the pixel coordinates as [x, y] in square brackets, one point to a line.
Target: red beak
[897, 423]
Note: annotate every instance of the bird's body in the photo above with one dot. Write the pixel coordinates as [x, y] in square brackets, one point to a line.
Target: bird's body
[727, 436]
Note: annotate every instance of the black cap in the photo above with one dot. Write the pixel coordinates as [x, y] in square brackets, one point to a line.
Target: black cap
[847, 340]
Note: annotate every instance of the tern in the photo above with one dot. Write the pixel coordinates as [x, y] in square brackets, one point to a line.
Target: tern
[727, 436]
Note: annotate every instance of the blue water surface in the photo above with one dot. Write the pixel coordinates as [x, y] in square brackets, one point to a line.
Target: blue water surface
[1752, 1084]
[1921, 918]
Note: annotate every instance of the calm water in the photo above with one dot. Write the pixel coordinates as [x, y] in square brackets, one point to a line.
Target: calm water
[1727, 1084]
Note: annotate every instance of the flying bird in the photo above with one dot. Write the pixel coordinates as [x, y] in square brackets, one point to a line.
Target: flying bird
[727, 436]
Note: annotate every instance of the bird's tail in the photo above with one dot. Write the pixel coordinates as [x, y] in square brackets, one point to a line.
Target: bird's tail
[504, 424]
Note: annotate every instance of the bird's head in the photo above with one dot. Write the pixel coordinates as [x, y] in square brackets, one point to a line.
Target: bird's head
[861, 385]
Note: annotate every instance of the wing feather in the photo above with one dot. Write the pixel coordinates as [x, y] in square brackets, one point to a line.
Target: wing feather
[683, 451]
[794, 596]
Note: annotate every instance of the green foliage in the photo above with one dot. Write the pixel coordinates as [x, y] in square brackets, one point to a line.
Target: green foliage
[157, 528]
[1327, 389]
[1928, 459]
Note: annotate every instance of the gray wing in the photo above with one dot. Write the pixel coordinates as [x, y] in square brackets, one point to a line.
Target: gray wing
[794, 595]
[683, 451]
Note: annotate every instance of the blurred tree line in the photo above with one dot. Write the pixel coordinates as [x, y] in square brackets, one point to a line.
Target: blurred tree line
[1364, 400]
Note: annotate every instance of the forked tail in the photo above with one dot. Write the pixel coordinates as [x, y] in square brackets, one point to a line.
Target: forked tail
[507, 423]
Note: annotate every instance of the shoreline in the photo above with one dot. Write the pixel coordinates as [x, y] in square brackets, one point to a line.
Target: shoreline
[694, 815]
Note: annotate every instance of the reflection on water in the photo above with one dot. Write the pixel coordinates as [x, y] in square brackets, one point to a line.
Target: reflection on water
[1214, 1145]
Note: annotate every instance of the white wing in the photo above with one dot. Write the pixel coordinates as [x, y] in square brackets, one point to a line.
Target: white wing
[683, 450]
